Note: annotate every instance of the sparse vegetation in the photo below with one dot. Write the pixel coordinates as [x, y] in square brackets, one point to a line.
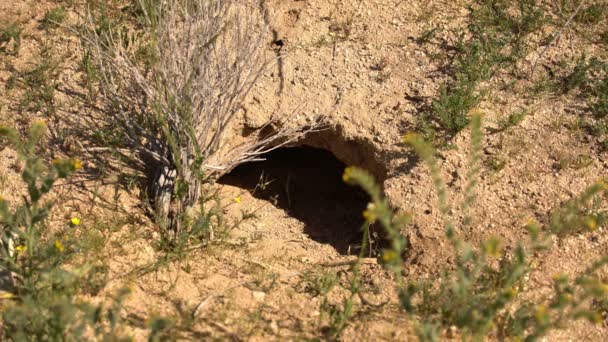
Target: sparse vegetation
[39, 85]
[34, 260]
[481, 295]
[53, 18]
[10, 35]
[162, 98]
[494, 41]
[176, 119]
[513, 119]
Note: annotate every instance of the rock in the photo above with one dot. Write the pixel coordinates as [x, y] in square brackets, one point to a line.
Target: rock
[259, 296]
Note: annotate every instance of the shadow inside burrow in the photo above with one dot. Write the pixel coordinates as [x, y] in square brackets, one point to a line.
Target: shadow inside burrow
[307, 183]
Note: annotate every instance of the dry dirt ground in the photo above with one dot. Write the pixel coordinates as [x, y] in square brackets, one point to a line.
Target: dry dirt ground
[259, 283]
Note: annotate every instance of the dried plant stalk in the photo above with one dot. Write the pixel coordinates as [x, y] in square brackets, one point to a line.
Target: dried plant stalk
[173, 93]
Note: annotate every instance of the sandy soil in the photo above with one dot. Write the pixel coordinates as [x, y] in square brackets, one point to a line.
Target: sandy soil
[261, 282]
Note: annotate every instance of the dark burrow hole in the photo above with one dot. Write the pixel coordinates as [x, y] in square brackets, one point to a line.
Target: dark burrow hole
[307, 183]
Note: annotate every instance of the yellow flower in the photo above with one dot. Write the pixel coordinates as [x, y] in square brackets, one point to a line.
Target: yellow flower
[59, 246]
[77, 164]
[560, 277]
[74, 221]
[237, 199]
[20, 249]
[409, 137]
[541, 314]
[370, 214]
[591, 223]
[347, 174]
[603, 184]
[388, 255]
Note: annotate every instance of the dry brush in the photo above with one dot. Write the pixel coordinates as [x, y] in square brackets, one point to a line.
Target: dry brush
[171, 92]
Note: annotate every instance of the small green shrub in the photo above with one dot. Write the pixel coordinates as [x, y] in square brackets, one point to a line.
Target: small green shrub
[453, 105]
[603, 37]
[494, 40]
[39, 84]
[507, 23]
[42, 290]
[90, 77]
[590, 78]
[599, 96]
[512, 120]
[8, 34]
[592, 14]
[579, 77]
[53, 18]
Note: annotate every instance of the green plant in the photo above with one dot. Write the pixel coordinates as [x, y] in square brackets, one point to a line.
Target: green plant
[513, 119]
[481, 294]
[34, 258]
[147, 12]
[40, 85]
[493, 41]
[90, 76]
[603, 37]
[340, 314]
[592, 14]
[599, 96]
[453, 105]
[579, 77]
[10, 33]
[53, 18]
[590, 77]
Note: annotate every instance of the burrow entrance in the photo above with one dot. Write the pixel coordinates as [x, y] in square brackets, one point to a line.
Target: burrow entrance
[307, 183]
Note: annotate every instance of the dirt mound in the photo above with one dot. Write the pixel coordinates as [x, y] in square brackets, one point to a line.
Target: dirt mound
[366, 66]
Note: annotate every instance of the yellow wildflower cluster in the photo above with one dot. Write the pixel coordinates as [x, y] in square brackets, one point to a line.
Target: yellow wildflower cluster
[59, 246]
[237, 199]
